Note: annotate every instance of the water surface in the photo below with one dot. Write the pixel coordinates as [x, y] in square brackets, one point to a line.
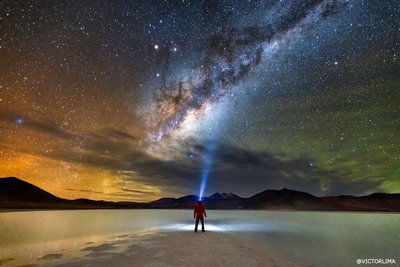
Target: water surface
[315, 238]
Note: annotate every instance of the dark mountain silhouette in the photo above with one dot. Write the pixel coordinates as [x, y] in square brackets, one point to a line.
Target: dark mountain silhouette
[13, 189]
[285, 199]
[215, 201]
[174, 203]
[17, 194]
[224, 196]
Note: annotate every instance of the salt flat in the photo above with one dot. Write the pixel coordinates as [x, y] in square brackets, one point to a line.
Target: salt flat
[183, 248]
[166, 237]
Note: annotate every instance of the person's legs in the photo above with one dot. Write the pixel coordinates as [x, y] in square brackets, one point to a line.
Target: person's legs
[197, 223]
[202, 224]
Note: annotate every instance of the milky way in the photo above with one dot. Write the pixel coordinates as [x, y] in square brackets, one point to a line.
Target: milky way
[124, 100]
[230, 54]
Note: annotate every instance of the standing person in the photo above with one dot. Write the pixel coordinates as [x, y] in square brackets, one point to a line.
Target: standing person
[199, 210]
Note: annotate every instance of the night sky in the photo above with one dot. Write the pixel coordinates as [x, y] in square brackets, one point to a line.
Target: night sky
[136, 100]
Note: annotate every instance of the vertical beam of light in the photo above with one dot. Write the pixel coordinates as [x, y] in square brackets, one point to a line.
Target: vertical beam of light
[208, 160]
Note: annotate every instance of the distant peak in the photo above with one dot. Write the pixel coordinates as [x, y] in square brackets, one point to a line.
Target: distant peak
[12, 178]
[218, 195]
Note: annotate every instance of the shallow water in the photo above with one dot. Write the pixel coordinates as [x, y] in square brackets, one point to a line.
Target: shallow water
[315, 238]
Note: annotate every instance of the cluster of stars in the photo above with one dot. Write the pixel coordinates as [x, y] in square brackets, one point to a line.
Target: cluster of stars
[313, 83]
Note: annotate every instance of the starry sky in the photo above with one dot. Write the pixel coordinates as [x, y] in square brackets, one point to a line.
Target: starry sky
[133, 100]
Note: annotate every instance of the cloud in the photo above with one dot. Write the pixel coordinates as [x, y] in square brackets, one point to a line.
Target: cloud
[84, 190]
[119, 134]
[235, 169]
[136, 191]
[44, 126]
[260, 170]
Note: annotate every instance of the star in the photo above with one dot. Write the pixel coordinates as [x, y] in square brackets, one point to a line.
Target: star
[121, 96]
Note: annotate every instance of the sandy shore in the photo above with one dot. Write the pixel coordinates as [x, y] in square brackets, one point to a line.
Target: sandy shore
[179, 248]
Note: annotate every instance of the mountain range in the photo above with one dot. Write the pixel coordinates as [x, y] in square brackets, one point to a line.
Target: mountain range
[17, 194]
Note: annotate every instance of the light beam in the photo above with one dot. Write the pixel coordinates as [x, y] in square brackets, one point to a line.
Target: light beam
[208, 160]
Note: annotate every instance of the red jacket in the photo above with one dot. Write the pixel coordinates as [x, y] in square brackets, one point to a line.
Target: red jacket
[199, 210]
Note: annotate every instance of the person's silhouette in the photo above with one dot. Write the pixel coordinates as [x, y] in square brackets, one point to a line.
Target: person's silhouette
[199, 210]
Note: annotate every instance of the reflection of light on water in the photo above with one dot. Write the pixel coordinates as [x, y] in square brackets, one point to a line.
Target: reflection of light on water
[190, 227]
[234, 227]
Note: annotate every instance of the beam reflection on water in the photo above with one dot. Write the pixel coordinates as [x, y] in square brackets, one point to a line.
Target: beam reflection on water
[190, 227]
[231, 227]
